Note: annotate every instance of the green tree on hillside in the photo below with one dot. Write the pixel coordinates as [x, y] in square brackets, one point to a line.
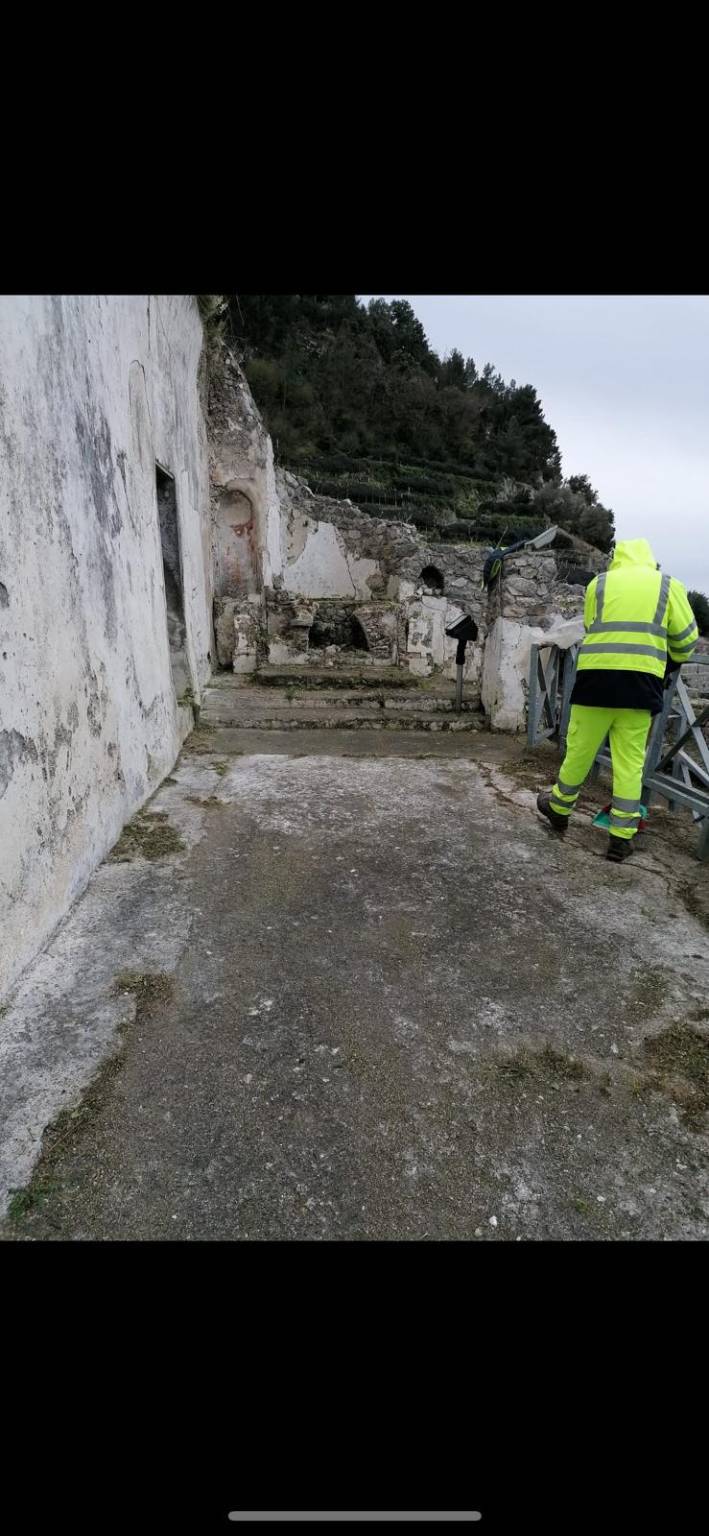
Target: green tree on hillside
[338, 381]
[699, 605]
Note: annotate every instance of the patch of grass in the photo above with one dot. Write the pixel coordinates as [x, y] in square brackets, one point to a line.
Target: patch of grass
[57, 1139]
[151, 990]
[28, 1199]
[679, 1067]
[516, 1066]
[221, 767]
[681, 1051]
[650, 991]
[210, 801]
[148, 836]
[584, 1207]
[560, 1064]
[200, 740]
[546, 1065]
[148, 987]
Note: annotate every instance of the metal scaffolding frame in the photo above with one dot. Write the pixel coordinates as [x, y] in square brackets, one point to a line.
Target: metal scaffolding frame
[680, 774]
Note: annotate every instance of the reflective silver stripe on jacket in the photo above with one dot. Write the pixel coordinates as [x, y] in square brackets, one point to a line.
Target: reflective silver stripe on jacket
[607, 648]
[662, 599]
[690, 630]
[600, 592]
[631, 626]
[634, 626]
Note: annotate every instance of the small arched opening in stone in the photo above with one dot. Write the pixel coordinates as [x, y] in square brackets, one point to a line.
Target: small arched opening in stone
[432, 579]
[359, 641]
[340, 628]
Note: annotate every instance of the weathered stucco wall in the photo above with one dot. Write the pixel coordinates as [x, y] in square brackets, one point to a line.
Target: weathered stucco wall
[317, 562]
[505, 672]
[245, 503]
[93, 391]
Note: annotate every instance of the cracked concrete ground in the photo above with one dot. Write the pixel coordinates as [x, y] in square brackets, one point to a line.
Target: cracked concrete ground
[367, 995]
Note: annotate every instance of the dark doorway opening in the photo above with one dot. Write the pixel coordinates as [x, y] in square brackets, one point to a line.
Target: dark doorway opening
[172, 572]
[432, 579]
[337, 627]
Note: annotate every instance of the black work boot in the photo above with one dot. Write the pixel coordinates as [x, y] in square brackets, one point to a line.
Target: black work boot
[559, 823]
[620, 849]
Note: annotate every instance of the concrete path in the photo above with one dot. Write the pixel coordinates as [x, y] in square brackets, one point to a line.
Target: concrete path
[356, 989]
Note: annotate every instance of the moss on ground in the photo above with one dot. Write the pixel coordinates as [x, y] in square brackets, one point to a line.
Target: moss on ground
[549, 1064]
[696, 900]
[200, 740]
[148, 836]
[151, 990]
[679, 1067]
[148, 987]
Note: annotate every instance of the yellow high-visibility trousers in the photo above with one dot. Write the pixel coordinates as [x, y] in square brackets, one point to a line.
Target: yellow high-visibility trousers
[627, 730]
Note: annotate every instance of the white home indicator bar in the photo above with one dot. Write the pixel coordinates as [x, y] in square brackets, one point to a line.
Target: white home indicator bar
[356, 1514]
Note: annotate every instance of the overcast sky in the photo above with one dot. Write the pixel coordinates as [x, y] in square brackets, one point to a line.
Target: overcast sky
[624, 382]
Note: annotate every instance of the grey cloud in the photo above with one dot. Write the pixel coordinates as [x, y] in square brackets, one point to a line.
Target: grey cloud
[624, 382]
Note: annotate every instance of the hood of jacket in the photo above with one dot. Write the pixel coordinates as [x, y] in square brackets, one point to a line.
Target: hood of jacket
[632, 552]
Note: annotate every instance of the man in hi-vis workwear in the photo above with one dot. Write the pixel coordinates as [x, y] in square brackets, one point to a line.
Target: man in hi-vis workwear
[639, 629]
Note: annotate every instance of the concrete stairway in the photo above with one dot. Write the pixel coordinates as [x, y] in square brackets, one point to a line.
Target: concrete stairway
[376, 700]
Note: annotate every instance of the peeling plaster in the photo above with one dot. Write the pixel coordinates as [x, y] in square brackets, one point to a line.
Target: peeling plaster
[89, 723]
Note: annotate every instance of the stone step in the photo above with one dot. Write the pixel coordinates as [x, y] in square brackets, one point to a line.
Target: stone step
[348, 720]
[229, 705]
[309, 677]
[227, 741]
[256, 709]
[219, 703]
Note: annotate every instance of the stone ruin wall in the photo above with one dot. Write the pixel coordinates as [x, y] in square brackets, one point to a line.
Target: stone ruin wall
[306, 580]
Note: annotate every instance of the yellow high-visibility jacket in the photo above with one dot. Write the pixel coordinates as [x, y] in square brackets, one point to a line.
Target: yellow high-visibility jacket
[634, 615]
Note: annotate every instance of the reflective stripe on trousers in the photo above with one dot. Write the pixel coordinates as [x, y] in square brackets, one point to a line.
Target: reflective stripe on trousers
[627, 730]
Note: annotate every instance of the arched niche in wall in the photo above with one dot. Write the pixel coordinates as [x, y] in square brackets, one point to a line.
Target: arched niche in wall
[237, 565]
[431, 580]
